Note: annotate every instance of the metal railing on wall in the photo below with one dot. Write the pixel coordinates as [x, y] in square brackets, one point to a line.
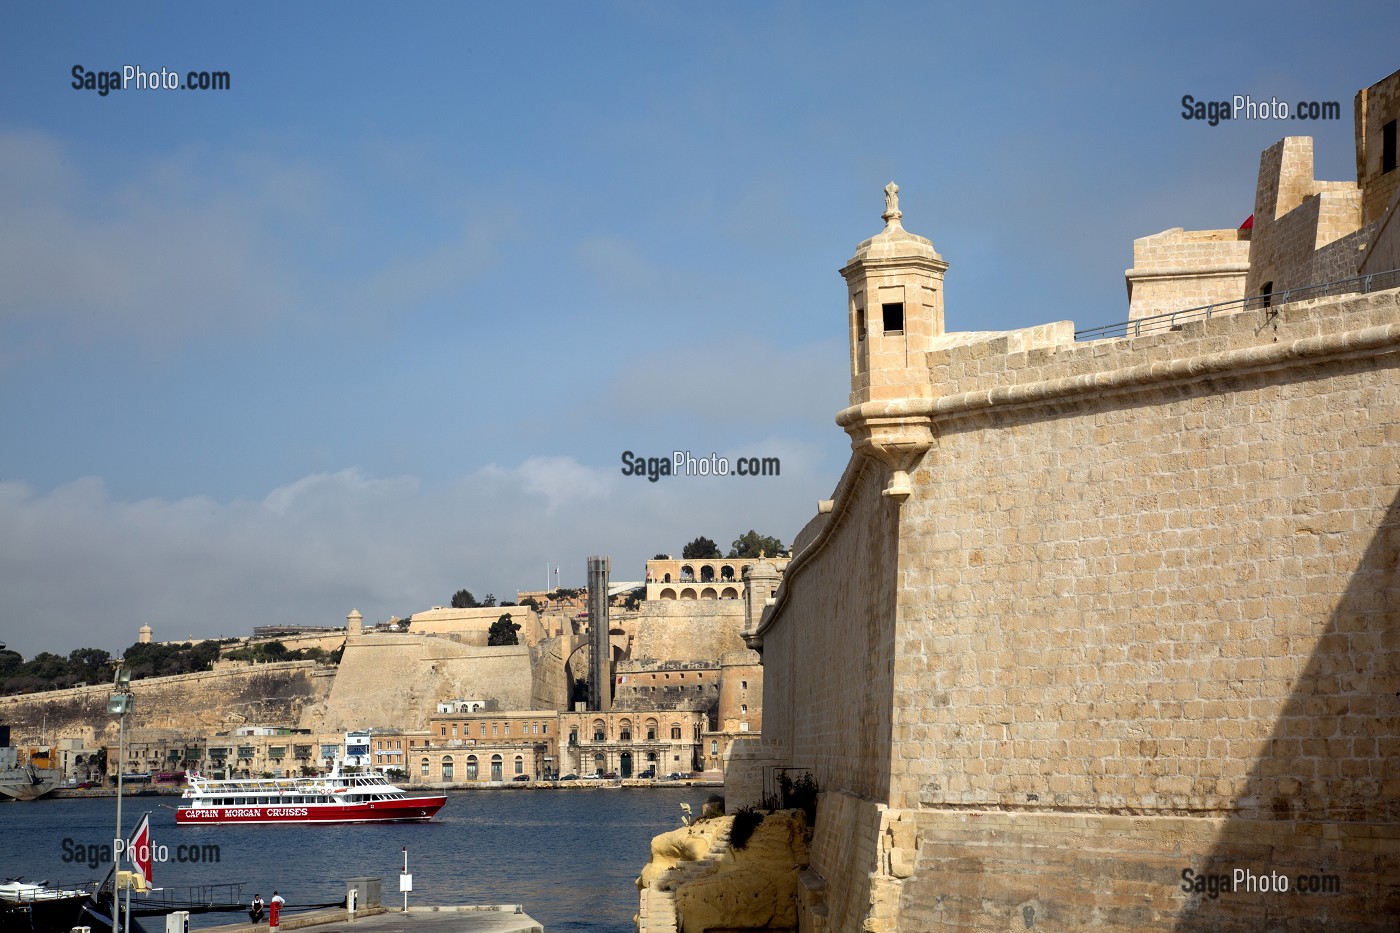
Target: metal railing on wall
[1173, 320]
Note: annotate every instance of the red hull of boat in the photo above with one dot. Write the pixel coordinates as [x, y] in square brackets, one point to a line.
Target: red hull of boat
[409, 808]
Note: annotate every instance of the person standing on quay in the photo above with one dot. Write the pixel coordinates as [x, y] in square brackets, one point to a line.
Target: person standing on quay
[274, 910]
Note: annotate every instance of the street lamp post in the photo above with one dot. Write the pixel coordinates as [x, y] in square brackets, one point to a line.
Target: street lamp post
[119, 704]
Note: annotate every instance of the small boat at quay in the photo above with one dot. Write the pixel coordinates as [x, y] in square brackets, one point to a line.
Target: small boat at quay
[40, 908]
[335, 798]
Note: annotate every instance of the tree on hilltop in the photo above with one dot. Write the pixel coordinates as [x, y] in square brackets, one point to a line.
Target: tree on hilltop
[751, 544]
[701, 549]
[503, 632]
[463, 599]
[489, 601]
[662, 557]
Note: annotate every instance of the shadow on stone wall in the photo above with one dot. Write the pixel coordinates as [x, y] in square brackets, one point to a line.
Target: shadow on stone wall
[1323, 801]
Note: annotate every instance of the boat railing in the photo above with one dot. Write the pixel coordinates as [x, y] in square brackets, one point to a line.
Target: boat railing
[19, 891]
[197, 899]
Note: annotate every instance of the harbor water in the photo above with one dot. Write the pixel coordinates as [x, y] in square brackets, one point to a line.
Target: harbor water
[569, 856]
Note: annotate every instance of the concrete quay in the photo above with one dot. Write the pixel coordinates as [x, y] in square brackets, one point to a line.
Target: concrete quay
[487, 918]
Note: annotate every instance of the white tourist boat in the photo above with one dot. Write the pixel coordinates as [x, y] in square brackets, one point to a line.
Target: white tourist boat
[335, 798]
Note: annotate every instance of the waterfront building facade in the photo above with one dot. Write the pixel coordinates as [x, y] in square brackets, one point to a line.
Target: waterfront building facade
[628, 743]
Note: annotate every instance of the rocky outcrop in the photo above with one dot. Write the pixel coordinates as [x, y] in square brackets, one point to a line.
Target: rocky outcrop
[697, 881]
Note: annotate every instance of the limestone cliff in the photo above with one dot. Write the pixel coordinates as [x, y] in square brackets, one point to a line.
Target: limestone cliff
[697, 881]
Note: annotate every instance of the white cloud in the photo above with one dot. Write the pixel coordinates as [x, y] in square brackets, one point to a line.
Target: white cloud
[79, 568]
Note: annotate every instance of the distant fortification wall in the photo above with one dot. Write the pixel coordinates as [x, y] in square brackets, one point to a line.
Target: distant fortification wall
[391, 681]
[688, 630]
[470, 626]
[204, 702]
[550, 688]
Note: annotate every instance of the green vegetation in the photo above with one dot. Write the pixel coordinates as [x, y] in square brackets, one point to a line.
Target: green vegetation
[795, 794]
[752, 544]
[263, 652]
[746, 820]
[503, 632]
[463, 599]
[749, 544]
[89, 666]
[701, 548]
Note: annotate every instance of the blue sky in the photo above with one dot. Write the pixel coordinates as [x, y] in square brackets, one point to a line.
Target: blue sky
[377, 322]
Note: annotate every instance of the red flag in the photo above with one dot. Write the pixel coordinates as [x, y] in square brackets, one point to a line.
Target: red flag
[1248, 223]
[138, 848]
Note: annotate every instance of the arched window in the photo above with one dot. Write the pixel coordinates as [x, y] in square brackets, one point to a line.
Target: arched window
[726, 573]
[425, 767]
[599, 731]
[707, 573]
[496, 768]
[447, 767]
[651, 730]
[625, 735]
[519, 765]
[471, 768]
[675, 731]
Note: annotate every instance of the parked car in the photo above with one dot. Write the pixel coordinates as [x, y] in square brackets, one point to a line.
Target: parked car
[521, 777]
[610, 776]
[569, 777]
[676, 776]
[649, 773]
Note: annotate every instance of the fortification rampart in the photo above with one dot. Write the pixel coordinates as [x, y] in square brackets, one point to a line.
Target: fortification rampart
[197, 703]
[1136, 615]
[688, 630]
[393, 681]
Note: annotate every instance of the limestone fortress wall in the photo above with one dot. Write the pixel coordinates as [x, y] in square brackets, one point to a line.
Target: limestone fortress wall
[394, 681]
[1139, 614]
[1106, 612]
[208, 701]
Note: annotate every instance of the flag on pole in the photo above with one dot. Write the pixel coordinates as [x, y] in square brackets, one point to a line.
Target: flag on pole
[138, 848]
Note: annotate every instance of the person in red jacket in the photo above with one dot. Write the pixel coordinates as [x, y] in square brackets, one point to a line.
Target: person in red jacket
[274, 909]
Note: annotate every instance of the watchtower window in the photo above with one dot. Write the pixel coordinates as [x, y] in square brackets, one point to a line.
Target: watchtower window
[1388, 147]
[860, 324]
[894, 317]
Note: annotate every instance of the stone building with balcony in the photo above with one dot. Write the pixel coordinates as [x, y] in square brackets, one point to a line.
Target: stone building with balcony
[629, 743]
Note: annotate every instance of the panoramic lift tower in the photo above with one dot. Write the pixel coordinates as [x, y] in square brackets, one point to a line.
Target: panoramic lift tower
[600, 685]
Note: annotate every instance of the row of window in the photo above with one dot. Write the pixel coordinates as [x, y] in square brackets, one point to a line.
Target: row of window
[529, 728]
[449, 770]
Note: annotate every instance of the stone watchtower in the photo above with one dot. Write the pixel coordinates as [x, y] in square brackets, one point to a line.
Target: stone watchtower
[894, 284]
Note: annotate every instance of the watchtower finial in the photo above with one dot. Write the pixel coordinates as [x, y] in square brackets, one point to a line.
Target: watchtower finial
[892, 212]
